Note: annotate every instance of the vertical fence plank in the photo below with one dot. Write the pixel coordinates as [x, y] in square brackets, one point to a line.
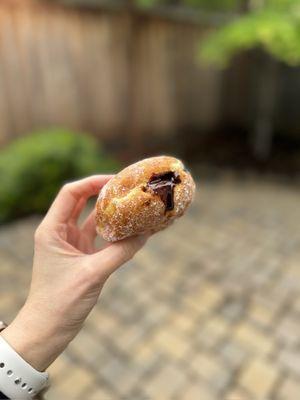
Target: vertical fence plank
[74, 68]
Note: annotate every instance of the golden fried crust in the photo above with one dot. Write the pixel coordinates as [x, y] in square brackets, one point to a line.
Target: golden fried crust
[125, 209]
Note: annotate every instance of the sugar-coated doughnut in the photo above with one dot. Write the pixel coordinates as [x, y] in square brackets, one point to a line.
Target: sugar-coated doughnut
[144, 197]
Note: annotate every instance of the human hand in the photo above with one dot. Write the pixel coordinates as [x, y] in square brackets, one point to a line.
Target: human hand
[68, 275]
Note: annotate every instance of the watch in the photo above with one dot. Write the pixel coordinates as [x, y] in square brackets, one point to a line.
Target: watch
[18, 379]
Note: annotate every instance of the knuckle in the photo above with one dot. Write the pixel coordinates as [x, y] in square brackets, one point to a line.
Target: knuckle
[88, 274]
[66, 187]
[90, 278]
[132, 246]
[39, 235]
[127, 251]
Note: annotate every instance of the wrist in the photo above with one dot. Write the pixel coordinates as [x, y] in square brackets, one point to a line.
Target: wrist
[39, 342]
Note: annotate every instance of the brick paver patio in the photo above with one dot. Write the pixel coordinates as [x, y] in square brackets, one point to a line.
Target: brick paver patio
[210, 309]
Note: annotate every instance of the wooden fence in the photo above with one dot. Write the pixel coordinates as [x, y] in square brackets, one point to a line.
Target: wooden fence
[115, 74]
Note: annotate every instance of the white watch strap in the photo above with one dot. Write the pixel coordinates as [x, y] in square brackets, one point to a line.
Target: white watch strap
[18, 379]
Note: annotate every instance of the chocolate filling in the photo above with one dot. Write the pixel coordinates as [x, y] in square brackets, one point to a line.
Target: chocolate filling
[163, 185]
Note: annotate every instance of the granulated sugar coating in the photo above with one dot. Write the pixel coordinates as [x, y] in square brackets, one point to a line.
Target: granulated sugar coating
[128, 205]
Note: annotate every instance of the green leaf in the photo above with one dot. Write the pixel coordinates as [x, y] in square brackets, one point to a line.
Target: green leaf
[276, 28]
[33, 168]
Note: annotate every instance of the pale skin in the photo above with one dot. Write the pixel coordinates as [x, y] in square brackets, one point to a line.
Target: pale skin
[67, 277]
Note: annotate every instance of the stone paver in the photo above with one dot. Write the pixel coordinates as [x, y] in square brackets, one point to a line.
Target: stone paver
[209, 310]
[259, 378]
[196, 391]
[253, 339]
[290, 389]
[166, 382]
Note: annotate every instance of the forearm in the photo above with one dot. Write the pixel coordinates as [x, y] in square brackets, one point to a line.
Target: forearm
[38, 342]
[68, 275]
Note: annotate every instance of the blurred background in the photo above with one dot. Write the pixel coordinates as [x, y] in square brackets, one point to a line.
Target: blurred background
[210, 309]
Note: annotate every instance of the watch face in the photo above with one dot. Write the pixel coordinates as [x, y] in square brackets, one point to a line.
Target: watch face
[2, 326]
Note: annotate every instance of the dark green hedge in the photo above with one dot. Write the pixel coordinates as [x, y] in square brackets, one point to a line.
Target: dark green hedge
[33, 168]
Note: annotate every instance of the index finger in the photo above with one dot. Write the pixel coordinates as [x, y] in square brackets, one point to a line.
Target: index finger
[68, 197]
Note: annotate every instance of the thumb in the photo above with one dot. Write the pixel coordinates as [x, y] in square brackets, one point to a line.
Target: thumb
[108, 260]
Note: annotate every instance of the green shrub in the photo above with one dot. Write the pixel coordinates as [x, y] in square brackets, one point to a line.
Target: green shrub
[33, 168]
